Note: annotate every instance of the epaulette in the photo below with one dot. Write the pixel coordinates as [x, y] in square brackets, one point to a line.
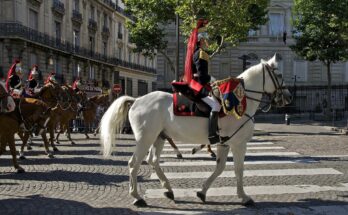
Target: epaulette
[203, 55]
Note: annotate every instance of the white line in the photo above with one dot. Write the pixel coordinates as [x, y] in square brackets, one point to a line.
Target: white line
[303, 210]
[213, 163]
[252, 190]
[206, 155]
[169, 149]
[252, 173]
[180, 144]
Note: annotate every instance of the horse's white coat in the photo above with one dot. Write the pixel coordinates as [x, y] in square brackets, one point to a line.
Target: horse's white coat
[153, 113]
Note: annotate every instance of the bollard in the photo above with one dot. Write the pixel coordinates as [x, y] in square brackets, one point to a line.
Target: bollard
[287, 119]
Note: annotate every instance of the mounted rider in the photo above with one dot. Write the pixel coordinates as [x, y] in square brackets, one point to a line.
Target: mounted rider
[33, 86]
[14, 79]
[197, 75]
[51, 79]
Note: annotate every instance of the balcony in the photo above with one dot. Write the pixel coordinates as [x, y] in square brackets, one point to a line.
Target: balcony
[58, 8]
[76, 17]
[105, 33]
[92, 25]
[36, 3]
[18, 31]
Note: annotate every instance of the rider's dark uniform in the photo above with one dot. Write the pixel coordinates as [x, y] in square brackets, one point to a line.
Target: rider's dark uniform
[200, 69]
[15, 82]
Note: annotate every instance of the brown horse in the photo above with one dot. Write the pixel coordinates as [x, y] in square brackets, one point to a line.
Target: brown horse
[7, 103]
[30, 115]
[69, 111]
[90, 110]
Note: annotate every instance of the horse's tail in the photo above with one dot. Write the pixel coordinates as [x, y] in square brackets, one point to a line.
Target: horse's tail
[112, 121]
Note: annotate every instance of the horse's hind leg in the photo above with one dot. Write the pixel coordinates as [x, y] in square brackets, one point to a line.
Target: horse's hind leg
[153, 160]
[212, 154]
[222, 152]
[46, 144]
[238, 159]
[134, 163]
[197, 149]
[24, 139]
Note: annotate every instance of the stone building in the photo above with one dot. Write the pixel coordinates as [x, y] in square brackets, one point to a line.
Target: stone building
[308, 78]
[74, 38]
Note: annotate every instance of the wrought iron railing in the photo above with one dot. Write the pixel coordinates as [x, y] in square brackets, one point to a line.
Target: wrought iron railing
[17, 30]
[58, 6]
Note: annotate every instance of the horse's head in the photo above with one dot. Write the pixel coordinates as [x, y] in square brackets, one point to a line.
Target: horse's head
[273, 82]
[7, 103]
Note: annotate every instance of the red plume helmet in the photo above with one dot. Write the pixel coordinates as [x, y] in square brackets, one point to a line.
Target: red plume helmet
[10, 72]
[190, 50]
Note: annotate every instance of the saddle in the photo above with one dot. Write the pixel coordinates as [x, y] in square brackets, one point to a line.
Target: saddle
[229, 92]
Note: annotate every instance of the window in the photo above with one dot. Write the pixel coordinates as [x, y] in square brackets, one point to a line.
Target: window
[252, 33]
[120, 50]
[33, 19]
[129, 87]
[92, 13]
[91, 44]
[33, 59]
[76, 5]
[276, 24]
[58, 66]
[300, 70]
[76, 71]
[91, 74]
[142, 88]
[105, 48]
[145, 63]
[105, 20]
[346, 71]
[58, 30]
[76, 40]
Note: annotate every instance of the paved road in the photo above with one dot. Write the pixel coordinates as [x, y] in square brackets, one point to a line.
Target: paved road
[297, 169]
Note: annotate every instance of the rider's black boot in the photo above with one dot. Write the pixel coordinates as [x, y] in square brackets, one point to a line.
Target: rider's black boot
[213, 126]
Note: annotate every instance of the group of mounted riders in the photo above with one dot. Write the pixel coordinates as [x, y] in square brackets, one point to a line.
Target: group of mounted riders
[43, 109]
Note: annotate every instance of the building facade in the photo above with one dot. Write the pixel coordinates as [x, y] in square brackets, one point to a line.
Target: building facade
[308, 78]
[74, 38]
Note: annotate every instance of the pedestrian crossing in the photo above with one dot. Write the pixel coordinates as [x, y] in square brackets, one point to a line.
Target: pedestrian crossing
[266, 154]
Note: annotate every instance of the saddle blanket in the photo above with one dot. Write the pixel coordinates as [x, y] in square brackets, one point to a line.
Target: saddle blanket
[232, 96]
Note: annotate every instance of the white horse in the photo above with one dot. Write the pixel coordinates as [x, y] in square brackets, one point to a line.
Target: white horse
[7, 103]
[152, 115]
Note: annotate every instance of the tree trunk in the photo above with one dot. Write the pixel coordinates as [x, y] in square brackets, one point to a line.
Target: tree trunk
[171, 64]
[329, 102]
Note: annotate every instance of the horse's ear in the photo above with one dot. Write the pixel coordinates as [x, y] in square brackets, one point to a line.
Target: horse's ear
[273, 62]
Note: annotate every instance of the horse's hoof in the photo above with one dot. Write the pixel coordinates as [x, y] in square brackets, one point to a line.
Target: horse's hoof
[201, 196]
[20, 170]
[41, 145]
[50, 155]
[194, 151]
[87, 137]
[179, 156]
[213, 155]
[55, 149]
[73, 143]
[249, 203]
[140, 203]
[57, 142]
[29, 148]
[169, 195]
[22, 157]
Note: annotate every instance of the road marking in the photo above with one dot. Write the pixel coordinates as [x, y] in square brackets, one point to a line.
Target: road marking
[213, 163]
[252, 173]
[251, 190]
[303, 210]
[169, 149]
[180, 144]
[206, 155]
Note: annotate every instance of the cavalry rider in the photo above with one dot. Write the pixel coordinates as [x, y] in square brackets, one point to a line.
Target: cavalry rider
[51, 79]
[196, 74]
[77, 85]
[14, 79]
[33, 83]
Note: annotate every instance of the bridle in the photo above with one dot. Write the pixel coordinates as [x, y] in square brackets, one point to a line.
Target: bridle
[279, 87]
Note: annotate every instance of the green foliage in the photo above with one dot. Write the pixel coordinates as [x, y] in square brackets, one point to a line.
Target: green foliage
[229, 19]
[321, 30]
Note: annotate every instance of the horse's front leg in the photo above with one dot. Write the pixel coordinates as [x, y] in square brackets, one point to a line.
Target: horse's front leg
[210, 151]
[67, 130]
[46, 144]
[172, 144]
[238, 152]
[153, 159]
[222, 152]
[197, 149]
[51, 131]
[24, 139]
[11, 143]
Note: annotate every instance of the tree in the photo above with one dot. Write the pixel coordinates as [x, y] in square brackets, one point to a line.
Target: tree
[230, 22]
[321, 33]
